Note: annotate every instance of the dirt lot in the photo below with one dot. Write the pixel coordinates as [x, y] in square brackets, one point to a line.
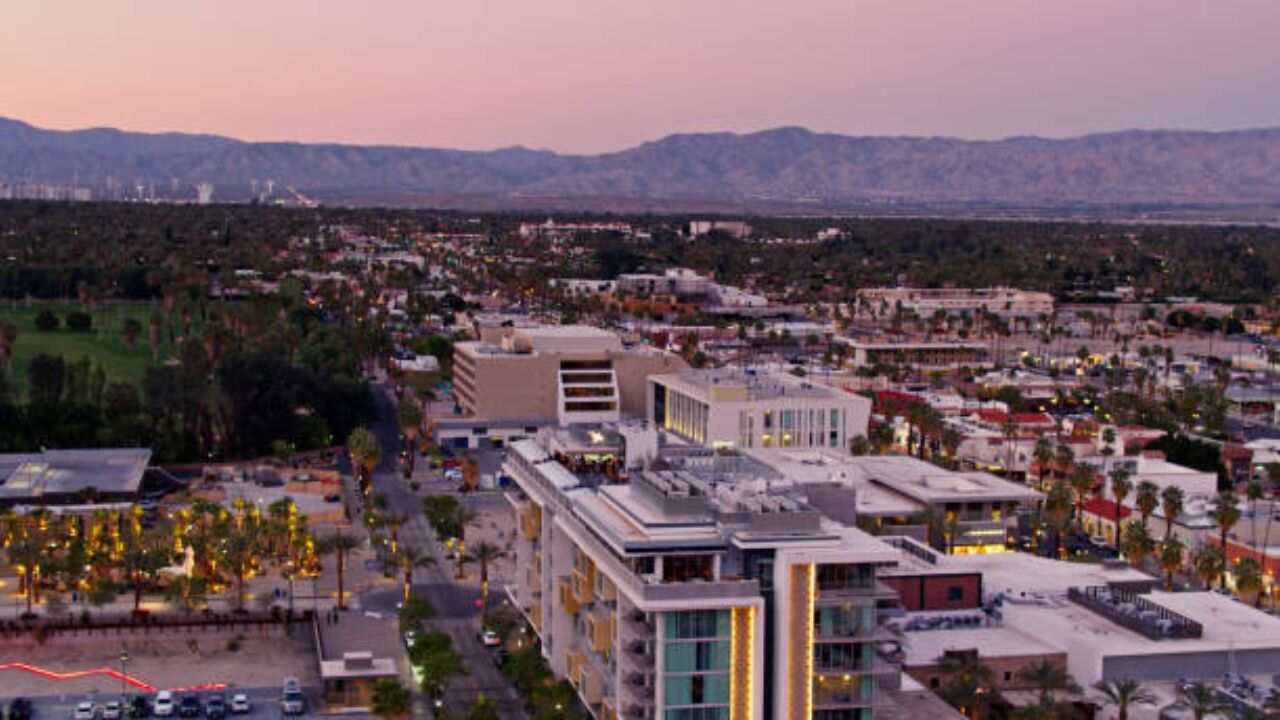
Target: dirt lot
[171, 661]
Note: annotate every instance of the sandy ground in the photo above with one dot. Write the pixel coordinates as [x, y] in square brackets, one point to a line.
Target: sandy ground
[495, 525]
[164, 662]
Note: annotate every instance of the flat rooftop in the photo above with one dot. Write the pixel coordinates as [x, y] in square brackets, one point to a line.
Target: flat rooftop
[930, 484]
[752, 385]
[924, 647]
[30, 476]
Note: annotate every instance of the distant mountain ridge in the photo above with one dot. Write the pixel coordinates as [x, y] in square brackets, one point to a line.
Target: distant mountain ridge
[789, 164]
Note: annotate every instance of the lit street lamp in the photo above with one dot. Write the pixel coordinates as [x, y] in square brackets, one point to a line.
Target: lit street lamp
[124, 673]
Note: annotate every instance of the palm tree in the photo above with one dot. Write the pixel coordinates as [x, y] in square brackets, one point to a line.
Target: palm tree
[1171, 551]
[1043, 454]
[409, 416]
[363, 448]
[240, 548]
[389, 699]
[1123, 693]
[186, 591]
[1254, 492]
[27, 550]
[1200, 699]
[1248, 576]
[1147, 499]
[1057, 507]
[1172, 501]
[1048, 677]
[483, 554]
[409, 559]
[340, 545]
[1226, 513]
[1082, 484]
[970, 683]
[1121, 486]
[1209, 564]
[1064, 457]
[1136, 543]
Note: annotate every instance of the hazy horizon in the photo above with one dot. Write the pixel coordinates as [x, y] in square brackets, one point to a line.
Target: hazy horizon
[584, 77]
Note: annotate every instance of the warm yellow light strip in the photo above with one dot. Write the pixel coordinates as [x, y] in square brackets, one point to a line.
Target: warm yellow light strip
[807, 711]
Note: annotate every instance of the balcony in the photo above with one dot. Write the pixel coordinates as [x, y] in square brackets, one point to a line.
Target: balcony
[584, 587]
[837, 693]
[531, 522]
[600, 631]
[568, 600]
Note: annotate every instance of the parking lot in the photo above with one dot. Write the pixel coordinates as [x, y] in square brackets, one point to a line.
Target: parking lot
[264, 704]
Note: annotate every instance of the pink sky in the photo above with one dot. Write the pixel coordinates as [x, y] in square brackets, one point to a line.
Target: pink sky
[594, 75]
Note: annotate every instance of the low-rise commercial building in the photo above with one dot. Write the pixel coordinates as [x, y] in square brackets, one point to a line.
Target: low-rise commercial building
[928, 355]
[727, 408]
[925, 302]
[68, 477]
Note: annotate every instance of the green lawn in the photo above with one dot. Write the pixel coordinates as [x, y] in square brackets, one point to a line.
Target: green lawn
[105, 344]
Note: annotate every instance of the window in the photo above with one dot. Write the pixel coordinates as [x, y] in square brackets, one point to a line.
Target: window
[480, 431]
[689, 624]
[955, 593]
[1008, 676]
[933, 682]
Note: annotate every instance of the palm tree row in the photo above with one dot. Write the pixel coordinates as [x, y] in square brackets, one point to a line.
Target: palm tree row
[109, 551]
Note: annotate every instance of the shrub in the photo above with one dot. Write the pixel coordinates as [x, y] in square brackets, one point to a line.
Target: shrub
[79, 321]
[46, 321]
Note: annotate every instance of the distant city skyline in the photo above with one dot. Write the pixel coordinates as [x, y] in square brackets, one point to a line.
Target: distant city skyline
[581, 77]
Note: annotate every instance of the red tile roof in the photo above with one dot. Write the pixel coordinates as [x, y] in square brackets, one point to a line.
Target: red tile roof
[1104, 508]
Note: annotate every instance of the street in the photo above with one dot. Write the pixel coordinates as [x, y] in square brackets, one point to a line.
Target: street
[456, 605]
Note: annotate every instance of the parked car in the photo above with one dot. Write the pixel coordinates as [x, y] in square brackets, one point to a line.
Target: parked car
[240, 704]
[138, 707]
[85, 711]
[189, 706]
[163, 706]
[291, 700]
[111, 710]
[488, 638]
[215, 708]
[20, 709]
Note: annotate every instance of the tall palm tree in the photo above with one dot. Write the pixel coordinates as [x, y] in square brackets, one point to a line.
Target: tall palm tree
[1147, 500]
[483, 554]
[409, 559]
[1254, 493]
[1082, 483]
[1048, 677]
[1226, 513]
[1171, 551]
[1201, 699]
[241, 546]
[1057, 508]
[1136, 543]
[1123, 693]
[340, 545]
[1043, 455]
[1121, 486]
[1209, 563]
[1172, 502]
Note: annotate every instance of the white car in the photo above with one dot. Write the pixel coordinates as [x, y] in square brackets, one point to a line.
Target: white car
[240, 704]
[163, 705]
[85, 711]
[489, 638]
[111, 711]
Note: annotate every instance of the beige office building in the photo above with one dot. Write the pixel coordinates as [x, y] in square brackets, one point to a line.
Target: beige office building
[566, 373]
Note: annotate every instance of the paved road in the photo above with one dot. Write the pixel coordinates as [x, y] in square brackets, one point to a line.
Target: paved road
[455, 605]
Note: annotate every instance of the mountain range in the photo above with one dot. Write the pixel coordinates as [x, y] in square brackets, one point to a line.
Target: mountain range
[784, 165]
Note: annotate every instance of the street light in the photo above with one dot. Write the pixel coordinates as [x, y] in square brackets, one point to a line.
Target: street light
[124, 673]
